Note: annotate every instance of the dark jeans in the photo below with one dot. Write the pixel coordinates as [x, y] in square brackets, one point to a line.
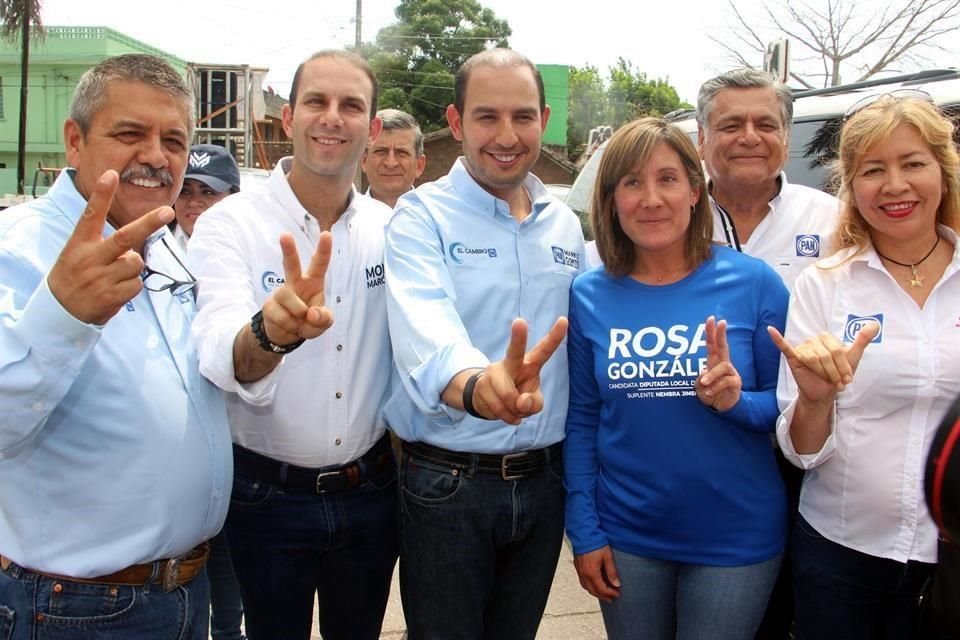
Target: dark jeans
[290, 544]
[35, 607]
[847, 595]
[226, 607]
[477, 553]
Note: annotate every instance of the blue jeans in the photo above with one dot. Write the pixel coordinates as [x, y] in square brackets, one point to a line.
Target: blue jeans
[477, 552]
[226, 607]
[35, 607]
[844, 594]
[664, 600]
[289, 544]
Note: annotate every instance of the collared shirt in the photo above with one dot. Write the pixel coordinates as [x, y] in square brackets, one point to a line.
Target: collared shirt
[181, 237]
[322, 405]
[460, 268]
[865, 490]
[797, 231]
[113, 449]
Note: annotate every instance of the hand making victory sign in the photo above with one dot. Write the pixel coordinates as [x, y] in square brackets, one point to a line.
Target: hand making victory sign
[509, 390]
[94, 276]
[719, 386]
[298, 308]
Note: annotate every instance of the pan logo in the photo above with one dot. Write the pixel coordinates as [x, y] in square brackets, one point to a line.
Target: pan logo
[856, 323]
[808, 246]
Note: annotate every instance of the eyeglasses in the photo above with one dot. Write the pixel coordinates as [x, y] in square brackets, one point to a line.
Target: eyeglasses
[896, 96]
[154, 280]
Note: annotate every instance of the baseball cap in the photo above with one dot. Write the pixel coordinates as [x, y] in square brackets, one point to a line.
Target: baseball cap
[213, 166]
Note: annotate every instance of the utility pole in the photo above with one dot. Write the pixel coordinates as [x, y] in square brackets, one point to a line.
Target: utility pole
[358, 40]
[24, 68]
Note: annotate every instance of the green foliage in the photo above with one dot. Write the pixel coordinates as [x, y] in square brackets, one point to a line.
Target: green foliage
[416, 58]
[12, 15]
[628, 94]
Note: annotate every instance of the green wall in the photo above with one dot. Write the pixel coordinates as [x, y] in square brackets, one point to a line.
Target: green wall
[56, 64]
[556, 79]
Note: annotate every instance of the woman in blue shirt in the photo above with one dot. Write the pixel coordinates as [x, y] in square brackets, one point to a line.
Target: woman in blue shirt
[675, 506]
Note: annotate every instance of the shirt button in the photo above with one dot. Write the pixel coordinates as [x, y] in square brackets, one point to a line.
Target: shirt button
[78, 344]
[339, 347]
[338, 298]
[337, 442]
[38, 406]
[339, 395]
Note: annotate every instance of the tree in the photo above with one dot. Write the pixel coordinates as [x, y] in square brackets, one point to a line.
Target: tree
[416, 58]
[832, 40]
[628, 94]
[15, 19]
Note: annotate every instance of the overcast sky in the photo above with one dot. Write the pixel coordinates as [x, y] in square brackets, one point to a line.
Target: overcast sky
[663, 39]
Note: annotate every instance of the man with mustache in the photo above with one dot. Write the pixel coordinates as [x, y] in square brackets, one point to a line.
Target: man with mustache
[476, 261]
[744, 119]
[301, 347]
[114, 452]
[395, 159]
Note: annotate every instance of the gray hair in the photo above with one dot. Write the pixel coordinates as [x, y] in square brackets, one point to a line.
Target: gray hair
[744, 79]
[91, 91]
[396, 120]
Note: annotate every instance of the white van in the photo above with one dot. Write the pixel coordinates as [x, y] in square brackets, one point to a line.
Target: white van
[817, 115]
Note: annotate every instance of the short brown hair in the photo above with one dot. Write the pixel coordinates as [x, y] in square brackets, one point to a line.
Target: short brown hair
[499, 59]
[630, 146]
[340, 56]
[874, 124]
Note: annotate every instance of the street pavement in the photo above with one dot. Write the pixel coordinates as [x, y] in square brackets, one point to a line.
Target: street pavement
[572, 613]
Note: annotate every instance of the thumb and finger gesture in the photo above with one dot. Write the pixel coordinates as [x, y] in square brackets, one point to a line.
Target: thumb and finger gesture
[719, 386]
[298, 308]
[823, 365]
[510, 389]
[598, 573]
[94, 276]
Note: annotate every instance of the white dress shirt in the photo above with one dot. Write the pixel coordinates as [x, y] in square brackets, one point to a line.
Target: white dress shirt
[322, 405]
[864, 488]
[798, 230]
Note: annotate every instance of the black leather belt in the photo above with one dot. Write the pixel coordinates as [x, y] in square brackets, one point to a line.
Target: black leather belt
[510, 466]
[322, 480]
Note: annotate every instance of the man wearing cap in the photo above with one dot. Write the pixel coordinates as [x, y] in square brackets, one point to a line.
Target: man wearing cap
[302, 349]
[212, 175]
[114, 451]
[395, 159]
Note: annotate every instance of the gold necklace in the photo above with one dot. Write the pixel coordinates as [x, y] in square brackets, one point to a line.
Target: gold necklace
[916, 280]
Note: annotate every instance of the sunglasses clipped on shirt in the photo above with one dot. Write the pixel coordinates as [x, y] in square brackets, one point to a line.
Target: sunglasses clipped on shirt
[896, 96]
[154, 280]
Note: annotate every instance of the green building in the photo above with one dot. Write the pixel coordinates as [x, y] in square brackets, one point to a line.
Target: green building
[56, 64]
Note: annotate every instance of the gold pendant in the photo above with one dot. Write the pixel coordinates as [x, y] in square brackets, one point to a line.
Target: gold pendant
[917, 280]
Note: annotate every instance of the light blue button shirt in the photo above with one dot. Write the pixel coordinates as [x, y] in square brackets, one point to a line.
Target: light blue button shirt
[459, 269]
[113, 449]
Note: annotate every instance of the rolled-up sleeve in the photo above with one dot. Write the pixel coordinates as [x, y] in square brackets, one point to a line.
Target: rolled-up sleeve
[430, 343]
[218, 255]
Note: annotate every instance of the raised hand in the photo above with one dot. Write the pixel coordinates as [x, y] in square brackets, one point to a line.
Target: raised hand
[509, 390]
[719, 386]
[598, 573]
[298, 308]
[822, 366]
[94, 277]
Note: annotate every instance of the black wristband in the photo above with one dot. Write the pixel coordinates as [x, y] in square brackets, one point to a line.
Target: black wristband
[256, 325]
[468, 388]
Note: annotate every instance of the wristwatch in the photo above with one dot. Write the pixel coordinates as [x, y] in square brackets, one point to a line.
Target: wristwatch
[256, 325]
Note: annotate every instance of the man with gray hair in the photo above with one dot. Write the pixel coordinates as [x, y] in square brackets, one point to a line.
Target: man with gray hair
[744, 119]
[395, 159]
[114, 452]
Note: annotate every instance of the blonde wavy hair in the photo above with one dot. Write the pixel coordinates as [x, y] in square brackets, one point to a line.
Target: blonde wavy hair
[632, 145]
[875, 123]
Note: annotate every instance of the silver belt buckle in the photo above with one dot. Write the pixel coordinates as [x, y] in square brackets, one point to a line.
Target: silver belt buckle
[321, 476]
[503, 465]
[171, 574]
